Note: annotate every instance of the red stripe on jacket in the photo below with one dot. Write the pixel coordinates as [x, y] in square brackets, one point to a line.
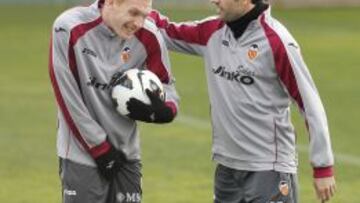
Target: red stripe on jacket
[286, 74]
[282, 63]
[75, 34]
[197, 33]
[61, 102]
[154, 60]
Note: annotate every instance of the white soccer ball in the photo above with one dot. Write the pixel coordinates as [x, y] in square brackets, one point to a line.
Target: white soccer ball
[132, 84]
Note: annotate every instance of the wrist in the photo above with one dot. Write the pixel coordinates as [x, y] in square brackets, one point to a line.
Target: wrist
[323, 172]
[100, 149]
[163, 115]
[172, 106]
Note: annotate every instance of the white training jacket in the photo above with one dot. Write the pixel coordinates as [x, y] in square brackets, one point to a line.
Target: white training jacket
[251, 83]
[84, 55]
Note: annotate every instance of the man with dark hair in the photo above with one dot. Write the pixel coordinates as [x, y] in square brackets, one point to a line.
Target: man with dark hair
[254, 70]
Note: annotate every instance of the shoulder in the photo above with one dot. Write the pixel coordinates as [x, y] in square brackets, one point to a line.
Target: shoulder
[149, 33]
[211, 23]
[276, 30]
[73, 17]
[207, 27]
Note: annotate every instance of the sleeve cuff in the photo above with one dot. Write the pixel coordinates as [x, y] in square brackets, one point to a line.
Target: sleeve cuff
[172, 106]
[323, 172]
[100, 149]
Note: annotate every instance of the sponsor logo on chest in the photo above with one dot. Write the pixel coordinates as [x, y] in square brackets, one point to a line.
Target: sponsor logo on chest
[240, 75]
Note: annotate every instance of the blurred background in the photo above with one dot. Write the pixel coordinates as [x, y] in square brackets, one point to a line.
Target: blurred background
[176, 157]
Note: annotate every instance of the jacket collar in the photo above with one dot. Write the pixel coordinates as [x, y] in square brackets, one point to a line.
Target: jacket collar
[239, 26]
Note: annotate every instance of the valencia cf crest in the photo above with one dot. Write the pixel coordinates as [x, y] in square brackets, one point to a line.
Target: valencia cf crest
[125, 55]
[253, 51]
[284, 188]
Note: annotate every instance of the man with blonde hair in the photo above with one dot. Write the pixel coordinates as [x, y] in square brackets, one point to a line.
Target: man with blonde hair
[98, 148]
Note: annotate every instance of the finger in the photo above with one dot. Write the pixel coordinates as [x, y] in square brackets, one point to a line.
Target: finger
[322, 197]
[325, 195]
[148, 92]
[135, 102]
[154, 97]
[318, 195]
[151, 95]
[332, 190]
[132, 100]
[334, 187]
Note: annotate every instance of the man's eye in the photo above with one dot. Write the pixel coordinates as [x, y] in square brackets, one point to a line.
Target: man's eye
[134, 12]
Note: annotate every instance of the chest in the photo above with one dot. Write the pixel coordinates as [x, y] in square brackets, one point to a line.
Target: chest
[103, 56]
[246, 60]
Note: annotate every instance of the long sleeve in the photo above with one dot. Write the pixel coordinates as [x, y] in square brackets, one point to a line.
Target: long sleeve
[67, 88]
[186, 37]
[297, 82]
[321, 155]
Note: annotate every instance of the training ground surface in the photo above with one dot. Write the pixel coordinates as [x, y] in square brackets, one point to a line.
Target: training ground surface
[176, 157]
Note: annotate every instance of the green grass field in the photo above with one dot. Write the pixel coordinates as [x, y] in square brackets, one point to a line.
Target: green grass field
[176, 157]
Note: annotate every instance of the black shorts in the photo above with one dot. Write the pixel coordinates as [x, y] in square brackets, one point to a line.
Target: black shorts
[81, 183]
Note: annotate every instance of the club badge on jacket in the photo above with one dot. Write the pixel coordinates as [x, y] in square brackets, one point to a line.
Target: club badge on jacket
[125, 55]
[253, 51]
[284, 188]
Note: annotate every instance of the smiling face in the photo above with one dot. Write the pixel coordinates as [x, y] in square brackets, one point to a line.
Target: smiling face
[125, 17]
[230, 10]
